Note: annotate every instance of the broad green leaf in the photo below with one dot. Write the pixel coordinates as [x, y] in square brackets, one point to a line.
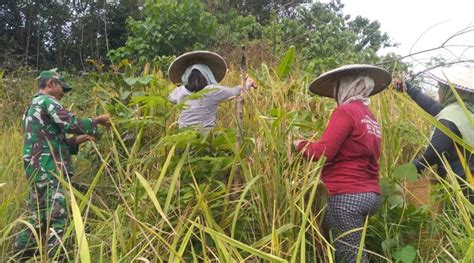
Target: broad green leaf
[385, 186]
[138, 94]
[124, 95]
[286, 63]
[388, 244]
[277, 112]
[406, 255]
[179, 138]
[131, 81]
[395, 200]
[144, 79]
[148, 100]
[406, 171]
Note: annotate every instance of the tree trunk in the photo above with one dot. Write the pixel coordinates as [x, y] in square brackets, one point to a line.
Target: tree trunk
[28, 34]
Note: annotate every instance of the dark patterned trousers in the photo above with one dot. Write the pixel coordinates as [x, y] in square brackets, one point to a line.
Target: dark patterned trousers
[47, 213]
[346, 212]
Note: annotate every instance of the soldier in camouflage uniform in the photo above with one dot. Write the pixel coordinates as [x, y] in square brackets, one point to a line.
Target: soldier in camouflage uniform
[46, 156]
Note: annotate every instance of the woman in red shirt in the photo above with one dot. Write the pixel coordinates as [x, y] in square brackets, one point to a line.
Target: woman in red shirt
[351, 146]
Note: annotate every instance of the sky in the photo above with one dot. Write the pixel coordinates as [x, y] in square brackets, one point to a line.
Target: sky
[421, 24]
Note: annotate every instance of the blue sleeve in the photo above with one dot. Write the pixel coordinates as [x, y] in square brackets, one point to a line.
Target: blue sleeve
[427, 103]
[440, 144]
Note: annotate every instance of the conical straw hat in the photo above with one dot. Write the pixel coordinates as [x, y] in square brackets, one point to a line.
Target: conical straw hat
[214, 61]
[322, 85]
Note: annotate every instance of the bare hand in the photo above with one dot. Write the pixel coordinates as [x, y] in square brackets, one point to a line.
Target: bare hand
[84, 138]
[103, 120]
[400, 85]
[250, 83]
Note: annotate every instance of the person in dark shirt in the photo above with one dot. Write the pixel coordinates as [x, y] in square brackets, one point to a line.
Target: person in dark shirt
[351, 144]
[449, 113]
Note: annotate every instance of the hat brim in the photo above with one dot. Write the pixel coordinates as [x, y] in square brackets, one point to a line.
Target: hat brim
[66, 88]
[322, 85]
[461, 78]
[214, 61]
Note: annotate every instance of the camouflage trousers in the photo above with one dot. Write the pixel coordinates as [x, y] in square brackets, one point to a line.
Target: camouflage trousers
[47, 214]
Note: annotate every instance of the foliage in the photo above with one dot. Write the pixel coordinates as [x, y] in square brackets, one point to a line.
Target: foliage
[406, 172]
[262, 10]
[168, 28]
[286, 63]
[392, 62]
[327, 38]
[234, 29]
[15, 94]
[64, 34]
[155, 192]
[368, 34]
[147, 191]
[406, 255]
[79, 35]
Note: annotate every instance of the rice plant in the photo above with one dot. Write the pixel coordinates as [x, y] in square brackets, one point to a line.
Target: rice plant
[148, 192]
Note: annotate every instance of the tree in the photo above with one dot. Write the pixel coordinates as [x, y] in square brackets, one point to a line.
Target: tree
[100, 27]
[327, 38]
[167, 28]
[368, 34]
[45, 34]
[262, 10]
[234, 29]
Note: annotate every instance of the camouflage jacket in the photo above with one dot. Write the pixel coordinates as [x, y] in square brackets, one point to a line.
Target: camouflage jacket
[45, 124]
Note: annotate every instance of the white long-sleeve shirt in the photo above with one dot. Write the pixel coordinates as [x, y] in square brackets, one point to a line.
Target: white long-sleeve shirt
[201, 112]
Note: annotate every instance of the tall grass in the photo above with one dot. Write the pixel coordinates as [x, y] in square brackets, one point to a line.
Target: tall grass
[148, 192]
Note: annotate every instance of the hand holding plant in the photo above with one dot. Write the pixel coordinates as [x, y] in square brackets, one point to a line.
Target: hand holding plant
[103, 120]
[84, 138]
[400, 84]
[250, 83]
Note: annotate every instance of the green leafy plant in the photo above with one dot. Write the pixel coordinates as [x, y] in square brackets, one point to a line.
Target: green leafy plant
[158, 33]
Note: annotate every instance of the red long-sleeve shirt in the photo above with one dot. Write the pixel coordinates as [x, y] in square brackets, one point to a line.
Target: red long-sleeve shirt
[351, 144]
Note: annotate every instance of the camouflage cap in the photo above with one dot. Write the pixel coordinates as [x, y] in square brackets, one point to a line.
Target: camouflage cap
[53, 74]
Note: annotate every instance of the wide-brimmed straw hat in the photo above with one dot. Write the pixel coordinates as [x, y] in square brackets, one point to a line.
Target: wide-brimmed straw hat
[460, 77]
[322, 85]
[214, 61]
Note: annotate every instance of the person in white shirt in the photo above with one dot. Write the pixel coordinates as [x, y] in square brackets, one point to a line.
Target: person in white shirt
[200, 71]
